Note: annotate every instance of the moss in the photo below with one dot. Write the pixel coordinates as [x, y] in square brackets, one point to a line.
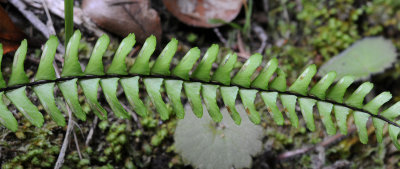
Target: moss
[38, 148]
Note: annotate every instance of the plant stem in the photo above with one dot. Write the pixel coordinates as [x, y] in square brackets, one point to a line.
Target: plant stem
[62, 79]
[69, 22]
[247, 24]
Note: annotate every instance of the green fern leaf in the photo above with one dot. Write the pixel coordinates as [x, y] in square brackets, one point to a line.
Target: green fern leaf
[95, 65]
[45, 93]
[6, 117]
[25, 106]
[90, 88]
[174, 89]
[201, 86]
[109, 87]
[71, 65]
[131, 89]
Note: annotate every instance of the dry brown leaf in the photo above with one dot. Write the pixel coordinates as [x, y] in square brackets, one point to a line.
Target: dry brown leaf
[199, 12]
[122, 17]
[10, 35]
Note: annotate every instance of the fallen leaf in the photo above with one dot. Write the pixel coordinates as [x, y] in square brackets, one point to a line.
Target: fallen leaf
[206, 144]
[122, 17]
[10, 35]
[365, 57]
[199, 12]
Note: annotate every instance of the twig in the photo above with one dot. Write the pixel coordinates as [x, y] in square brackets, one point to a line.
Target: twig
[120, 91]
[60, 159]
[79, 127]
[91, 131]
[56, 70]
[262, 36]
[339, 164]
[318, 160]
[49, 23]
[36, 22]
[265, 5]
[221, 38]
[285, 12]
[299, 6]
[134, 116]
[77, 145]
[32, 59]
[331, 140]
[80, 19]
[2, 139]
[242, 51]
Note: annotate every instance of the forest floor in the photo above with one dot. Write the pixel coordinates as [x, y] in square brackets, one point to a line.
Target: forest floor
[297, 33]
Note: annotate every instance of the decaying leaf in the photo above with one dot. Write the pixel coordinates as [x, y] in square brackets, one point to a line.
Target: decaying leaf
[199, 12]
[124, 16]
[366, 57]
[10, 35]
[224, 145]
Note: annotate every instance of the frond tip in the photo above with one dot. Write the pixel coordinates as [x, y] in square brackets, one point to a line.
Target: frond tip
[269, 83]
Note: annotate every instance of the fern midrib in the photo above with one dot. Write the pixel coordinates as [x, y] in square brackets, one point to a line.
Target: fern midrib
[62, 79]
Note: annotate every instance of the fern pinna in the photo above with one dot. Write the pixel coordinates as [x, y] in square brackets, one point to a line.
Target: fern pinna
[270, 84]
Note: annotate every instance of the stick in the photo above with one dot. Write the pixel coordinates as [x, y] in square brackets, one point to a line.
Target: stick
[36, 22]
[60, 159]
[77, 146]
[331, 140]
[221, 38]
[242, 51]
[80, 19]
[327, 142]
[134, 116]
[91, 131]
[262, 36]
[49, 23]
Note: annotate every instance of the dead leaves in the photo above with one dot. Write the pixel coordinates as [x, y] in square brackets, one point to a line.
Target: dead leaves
[10, 35]
[122, 17]
[199, 12]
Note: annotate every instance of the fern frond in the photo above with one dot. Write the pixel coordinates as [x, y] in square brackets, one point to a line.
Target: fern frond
[200, 85]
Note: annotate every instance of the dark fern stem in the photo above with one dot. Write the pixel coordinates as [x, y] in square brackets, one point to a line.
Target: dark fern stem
[62, 79]
[200, 87]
